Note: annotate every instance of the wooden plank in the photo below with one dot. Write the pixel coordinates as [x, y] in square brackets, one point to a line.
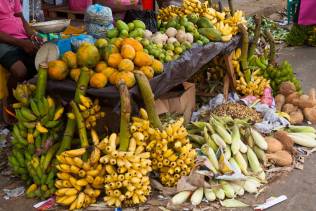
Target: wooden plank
[230, 69]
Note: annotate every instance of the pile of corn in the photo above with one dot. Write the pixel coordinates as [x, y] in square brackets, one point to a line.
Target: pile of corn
[79, 182]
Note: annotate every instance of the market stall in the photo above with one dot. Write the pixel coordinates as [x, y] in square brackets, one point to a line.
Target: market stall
[64, 153]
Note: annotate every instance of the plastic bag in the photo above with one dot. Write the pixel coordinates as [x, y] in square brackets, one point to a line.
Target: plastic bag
[76, 41]
[98, 14]
[98, 31]
[148, 17]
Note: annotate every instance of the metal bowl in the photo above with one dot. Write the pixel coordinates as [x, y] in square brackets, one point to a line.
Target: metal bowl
[54, 26]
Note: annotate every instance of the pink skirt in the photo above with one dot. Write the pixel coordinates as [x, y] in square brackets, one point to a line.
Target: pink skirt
[307, 15]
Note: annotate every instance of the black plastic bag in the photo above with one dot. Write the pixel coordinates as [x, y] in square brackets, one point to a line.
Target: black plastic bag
[148, 17]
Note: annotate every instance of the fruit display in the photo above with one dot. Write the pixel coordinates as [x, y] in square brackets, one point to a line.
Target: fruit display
[221, 21]
[126, 162]
[170, 150]
[250, 82]
[300, 35]
[35, 136]
[134, 29]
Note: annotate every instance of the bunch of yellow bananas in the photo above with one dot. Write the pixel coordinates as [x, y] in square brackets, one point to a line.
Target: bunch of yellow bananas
[234, 20]
[255, 86]
[79, 182]
[169, 12]
[171, 153]
[23, 93]
[127, 182]
[194, 6]
[90, 111]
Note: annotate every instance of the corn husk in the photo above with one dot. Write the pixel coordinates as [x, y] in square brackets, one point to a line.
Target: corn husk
[233, 203]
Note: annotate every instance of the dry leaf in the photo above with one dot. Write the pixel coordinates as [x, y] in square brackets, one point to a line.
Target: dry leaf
[166, 191]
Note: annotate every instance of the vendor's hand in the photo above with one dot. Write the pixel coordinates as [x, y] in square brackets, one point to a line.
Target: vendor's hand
[37, 40]
[28, 47]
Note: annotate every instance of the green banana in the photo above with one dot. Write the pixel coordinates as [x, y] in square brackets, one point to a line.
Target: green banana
[31, 148]
[44, 120]
[19, 116]
[17, 135]
[13, 161]
[50, 155]
[27, 114]
[259, 64]
[19, 156]
[51, 124]
[43, 179]
[46, 105]
[38, 142]
[29, 125]
[40, 106]
[34, 108]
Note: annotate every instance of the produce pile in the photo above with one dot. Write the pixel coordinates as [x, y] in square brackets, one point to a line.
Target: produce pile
[300, 35]
[63, 150]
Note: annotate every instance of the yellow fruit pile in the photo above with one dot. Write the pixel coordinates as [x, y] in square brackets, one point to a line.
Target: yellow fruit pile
[79, 182]
[109, 62]
[127, 182]
[90, 111]
[171, 153]
[254, 87]
[127, 57]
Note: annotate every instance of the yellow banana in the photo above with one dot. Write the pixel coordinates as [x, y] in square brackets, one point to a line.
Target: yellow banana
[58, 113]
[69, 199]
[95, 137]
[95, 155]
[80, 200]
[85, 101]
[71, 191]
[41, 128]
[75, 152]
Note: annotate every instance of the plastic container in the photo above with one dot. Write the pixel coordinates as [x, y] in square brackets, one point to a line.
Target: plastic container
[79, 5]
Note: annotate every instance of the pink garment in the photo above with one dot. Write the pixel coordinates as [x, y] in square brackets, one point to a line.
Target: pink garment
[8, 22]
[79, 5]
[307, 15]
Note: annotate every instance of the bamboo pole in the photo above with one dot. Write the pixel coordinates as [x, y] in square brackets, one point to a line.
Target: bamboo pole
[272, 46]
[244, 48]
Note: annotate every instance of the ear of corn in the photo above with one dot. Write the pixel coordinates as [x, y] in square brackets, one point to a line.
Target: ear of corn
[197, 196]
[259, 140]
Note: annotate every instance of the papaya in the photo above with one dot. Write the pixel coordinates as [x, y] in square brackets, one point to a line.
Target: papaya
[148, 71]
[75, 74]
[211, 34]
[117, 42]
[88, 56]
[134, 43]
[57, 70]
[127, 76]
[100, 43]
[98, 80]
[71, 59]
[126, 65]
[100, 67]
[112, 78]
[110, 49]
[142, 59]
[204, 22]
[114, 60]
[128, 52]
[157, 66]
[121, 25]
[138, 24]
[112, 33]
[108, 71]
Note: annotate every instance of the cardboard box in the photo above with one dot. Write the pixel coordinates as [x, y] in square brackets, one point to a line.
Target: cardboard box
[180, 100]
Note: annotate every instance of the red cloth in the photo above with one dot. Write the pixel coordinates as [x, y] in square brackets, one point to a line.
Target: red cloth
[79, 5]
[307, 15]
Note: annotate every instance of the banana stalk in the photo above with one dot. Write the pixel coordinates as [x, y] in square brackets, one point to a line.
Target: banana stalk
[81, 125]
[125, 116]
[41, 81]
[253, 46]
[149, 99]
[270, 38]
[71, 123]
[244, 49]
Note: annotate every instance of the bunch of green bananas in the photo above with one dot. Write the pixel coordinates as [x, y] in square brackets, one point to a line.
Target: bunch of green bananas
[23, 92]
[38, 127]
